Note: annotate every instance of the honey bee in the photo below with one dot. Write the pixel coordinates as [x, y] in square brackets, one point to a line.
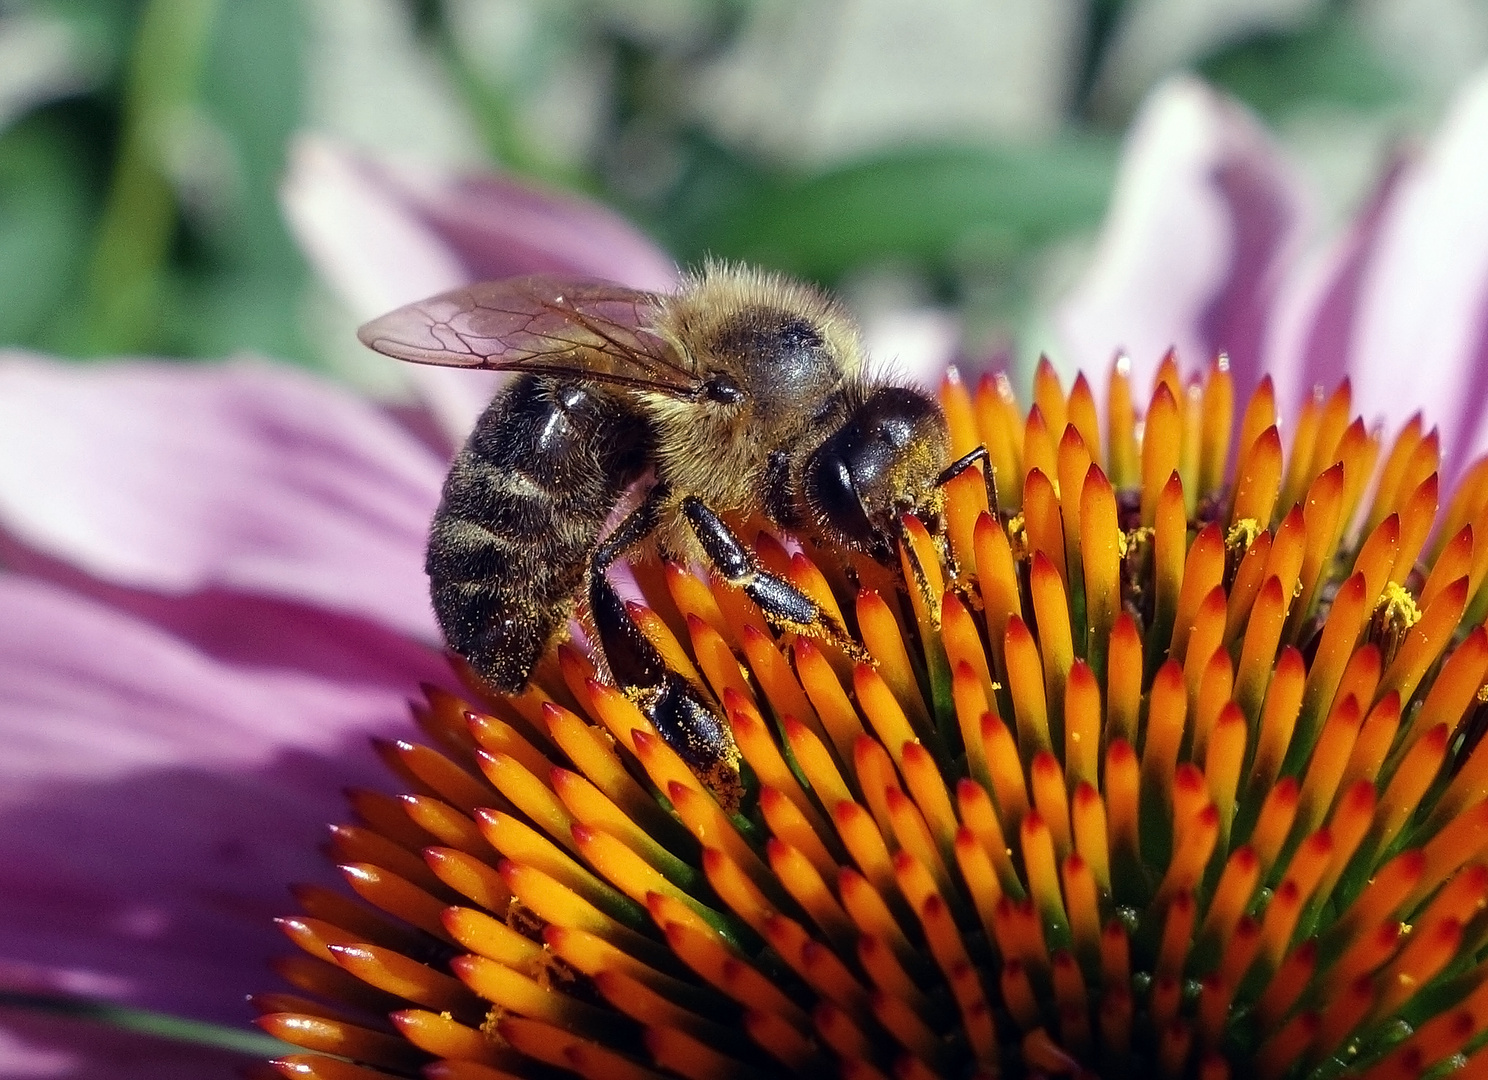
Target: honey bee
[743, 393]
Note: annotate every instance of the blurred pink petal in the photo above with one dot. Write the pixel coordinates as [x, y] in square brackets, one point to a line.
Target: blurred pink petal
[912, 345]
[155, 801]
[1205, 217]
[1311, 334]
[242, 476]
[432, 232]
[252, 630]
[36, 1046]
[1400, 301]
[1203, 250]
[375, 250]
[384, 236]
[1421, 330]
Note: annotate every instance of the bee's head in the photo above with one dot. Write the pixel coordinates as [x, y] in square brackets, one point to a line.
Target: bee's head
[884, 461]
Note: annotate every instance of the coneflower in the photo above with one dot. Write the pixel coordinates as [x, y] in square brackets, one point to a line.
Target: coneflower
[1163, 765]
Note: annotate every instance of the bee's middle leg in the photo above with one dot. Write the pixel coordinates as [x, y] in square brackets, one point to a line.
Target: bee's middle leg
[785, 606]
[673, 705]
[633, 660]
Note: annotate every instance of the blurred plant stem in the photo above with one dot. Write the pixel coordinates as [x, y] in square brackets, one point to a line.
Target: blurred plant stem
[493, 108]
[127, 1018]
[139, 215]
[1100, 29]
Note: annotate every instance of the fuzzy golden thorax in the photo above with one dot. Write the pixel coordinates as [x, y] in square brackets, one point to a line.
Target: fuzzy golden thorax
[784, 353]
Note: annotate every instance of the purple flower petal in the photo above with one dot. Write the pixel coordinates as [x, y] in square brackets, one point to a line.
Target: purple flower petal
[1205, 216]
[375, 250]
[256, 631]
[1421, 331]
[1312, 327]
[246, 477]
[385, 236]
[42, 1046]
[912, 346]
[154, 803]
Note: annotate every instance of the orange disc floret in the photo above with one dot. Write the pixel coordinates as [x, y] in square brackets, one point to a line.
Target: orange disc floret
[1160, 763]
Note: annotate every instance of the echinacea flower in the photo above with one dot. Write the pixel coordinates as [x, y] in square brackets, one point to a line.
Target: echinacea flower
[189, 663]
[1146, 774]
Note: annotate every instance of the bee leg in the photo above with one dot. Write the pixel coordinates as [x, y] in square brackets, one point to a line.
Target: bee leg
[685, 722]
[784, 605]
[632, 530]
[633, 660]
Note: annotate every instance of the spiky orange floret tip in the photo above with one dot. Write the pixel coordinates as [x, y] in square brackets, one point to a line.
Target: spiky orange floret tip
[1164, 763]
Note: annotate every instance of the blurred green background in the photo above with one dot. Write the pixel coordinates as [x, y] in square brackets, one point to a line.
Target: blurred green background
[956, 154]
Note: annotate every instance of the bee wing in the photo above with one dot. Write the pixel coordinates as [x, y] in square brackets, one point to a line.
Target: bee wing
[544, 323]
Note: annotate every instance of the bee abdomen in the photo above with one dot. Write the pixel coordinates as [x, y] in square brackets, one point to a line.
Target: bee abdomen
[522, 512]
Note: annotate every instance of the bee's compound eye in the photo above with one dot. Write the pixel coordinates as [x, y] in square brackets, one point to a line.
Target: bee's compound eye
[877, 464]
[723, 389]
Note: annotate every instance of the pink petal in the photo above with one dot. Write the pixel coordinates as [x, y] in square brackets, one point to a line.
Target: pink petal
[428, 232]
[256, 631]
[1422, 327]
[40, 1046]
[1205, 215]
[912, 346]
[384, 236]
[376, 250]
[245, 477]
[1311, 336]
[155, 802]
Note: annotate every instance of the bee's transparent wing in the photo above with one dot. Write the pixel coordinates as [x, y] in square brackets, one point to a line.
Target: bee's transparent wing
[544, 323]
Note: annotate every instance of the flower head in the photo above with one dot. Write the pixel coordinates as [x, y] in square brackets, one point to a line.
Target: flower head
[1147, 772]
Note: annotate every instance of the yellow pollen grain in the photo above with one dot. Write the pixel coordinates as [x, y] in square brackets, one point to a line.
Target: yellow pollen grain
[1397, 608]
[1017, 535]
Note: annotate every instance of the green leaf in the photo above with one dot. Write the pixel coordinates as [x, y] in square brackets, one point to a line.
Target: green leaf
[137, 225]
[241, 279]
[193, 257]
[102, 29]
[43, 228]
[1328, 62]
[937, 206]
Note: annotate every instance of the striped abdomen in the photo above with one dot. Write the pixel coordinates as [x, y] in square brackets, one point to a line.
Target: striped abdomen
[522, 512]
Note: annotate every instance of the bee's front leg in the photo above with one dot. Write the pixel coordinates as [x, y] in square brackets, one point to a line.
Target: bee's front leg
[989, 475]
[785, 606]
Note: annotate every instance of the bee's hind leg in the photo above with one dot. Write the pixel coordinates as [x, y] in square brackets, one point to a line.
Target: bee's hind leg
[785, 606]
[686, 723]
